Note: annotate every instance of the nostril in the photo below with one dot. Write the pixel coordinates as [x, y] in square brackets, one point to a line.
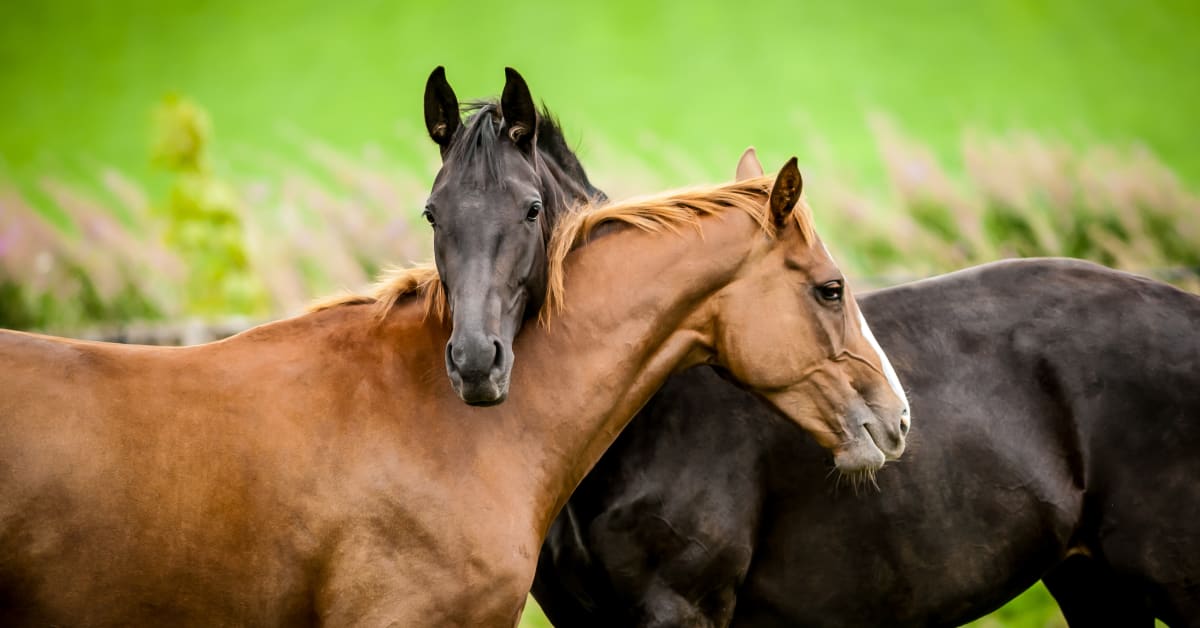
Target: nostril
[498, 358]
[904, 428]
[456, 354]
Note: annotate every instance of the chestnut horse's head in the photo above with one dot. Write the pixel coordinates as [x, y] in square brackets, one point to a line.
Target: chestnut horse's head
[506, 176]
[788, 328]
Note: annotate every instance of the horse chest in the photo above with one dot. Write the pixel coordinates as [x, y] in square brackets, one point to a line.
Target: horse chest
[432, 557]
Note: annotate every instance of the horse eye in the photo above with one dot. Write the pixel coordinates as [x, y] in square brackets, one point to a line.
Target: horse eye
[830, 291]
[428, 216]
[535, 208]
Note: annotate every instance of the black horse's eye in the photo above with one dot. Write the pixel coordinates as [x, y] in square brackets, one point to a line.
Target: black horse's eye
[830, 291]
[535, 208]
[428, 216]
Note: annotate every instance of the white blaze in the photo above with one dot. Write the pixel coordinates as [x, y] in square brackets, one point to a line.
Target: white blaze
[888, 371]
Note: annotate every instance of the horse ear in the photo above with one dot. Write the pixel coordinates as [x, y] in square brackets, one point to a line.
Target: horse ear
[748, 166]
[786, 192]
[441, 108]
[520, 114]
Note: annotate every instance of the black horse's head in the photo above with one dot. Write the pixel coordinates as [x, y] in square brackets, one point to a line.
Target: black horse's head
[507, 175]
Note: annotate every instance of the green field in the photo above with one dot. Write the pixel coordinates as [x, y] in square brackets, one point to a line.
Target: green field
[654, 94]
[1033, 609]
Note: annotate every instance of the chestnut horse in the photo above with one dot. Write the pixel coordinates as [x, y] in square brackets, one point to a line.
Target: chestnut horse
[320, 471]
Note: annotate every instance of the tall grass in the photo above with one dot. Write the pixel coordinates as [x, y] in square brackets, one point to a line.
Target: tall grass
[97, 270]
[266, 245]
[214, 246]
[1013, 196]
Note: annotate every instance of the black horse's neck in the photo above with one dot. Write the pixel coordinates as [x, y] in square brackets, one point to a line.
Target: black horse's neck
[563, 178]
[570, 175]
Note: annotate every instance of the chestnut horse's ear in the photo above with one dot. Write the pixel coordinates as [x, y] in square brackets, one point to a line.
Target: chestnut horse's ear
[441, 108]
[748, 166]
[520, 115]
[785, 193]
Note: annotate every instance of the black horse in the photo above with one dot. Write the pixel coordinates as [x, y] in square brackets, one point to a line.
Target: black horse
[1056, 434]
[507, 174]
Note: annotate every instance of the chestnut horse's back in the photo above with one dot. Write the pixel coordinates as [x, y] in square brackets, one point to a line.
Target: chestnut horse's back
[238, 483]
[119, 499]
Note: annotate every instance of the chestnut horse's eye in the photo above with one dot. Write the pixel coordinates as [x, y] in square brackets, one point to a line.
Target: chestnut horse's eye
[830, 291]
[535, 208]
[428, 216]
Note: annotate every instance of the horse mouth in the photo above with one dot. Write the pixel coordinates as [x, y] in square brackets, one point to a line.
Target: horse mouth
[870, 449]
[890, 442]
[860, 454]
[485, 403]
[481, 393]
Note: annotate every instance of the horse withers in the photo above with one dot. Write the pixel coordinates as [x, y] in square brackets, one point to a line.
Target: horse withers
[506, 177]
[312, 472]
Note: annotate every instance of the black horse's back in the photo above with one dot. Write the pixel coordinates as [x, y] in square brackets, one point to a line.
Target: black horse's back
[1136, 404]
[1115, 359]
[1055, 407]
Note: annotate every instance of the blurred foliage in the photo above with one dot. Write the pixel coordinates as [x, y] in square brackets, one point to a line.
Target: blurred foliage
[215, 246]
[181, 136]
[202, 217]
[259, 245]
[1020, 196]
[65, 276]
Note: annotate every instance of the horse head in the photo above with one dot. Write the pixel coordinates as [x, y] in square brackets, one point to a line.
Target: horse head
[506, 177]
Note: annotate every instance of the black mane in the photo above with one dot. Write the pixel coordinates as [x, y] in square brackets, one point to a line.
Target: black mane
[553, 144]
[480, 133]
[476, 140]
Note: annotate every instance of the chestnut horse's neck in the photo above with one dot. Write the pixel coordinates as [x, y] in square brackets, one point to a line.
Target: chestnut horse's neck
[638, 308]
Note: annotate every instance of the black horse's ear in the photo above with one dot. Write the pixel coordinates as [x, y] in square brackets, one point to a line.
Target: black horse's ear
[785, 193]
[520, 115]
[441, 108]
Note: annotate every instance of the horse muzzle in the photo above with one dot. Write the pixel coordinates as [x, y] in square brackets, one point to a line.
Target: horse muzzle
[479, 366]
[874, 440]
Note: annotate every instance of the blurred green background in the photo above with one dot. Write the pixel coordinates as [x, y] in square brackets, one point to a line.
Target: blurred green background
[708, 78]
[207, 159]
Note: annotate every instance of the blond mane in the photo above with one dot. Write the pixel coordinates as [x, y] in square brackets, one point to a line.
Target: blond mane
[393, 285]
[667, 212]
